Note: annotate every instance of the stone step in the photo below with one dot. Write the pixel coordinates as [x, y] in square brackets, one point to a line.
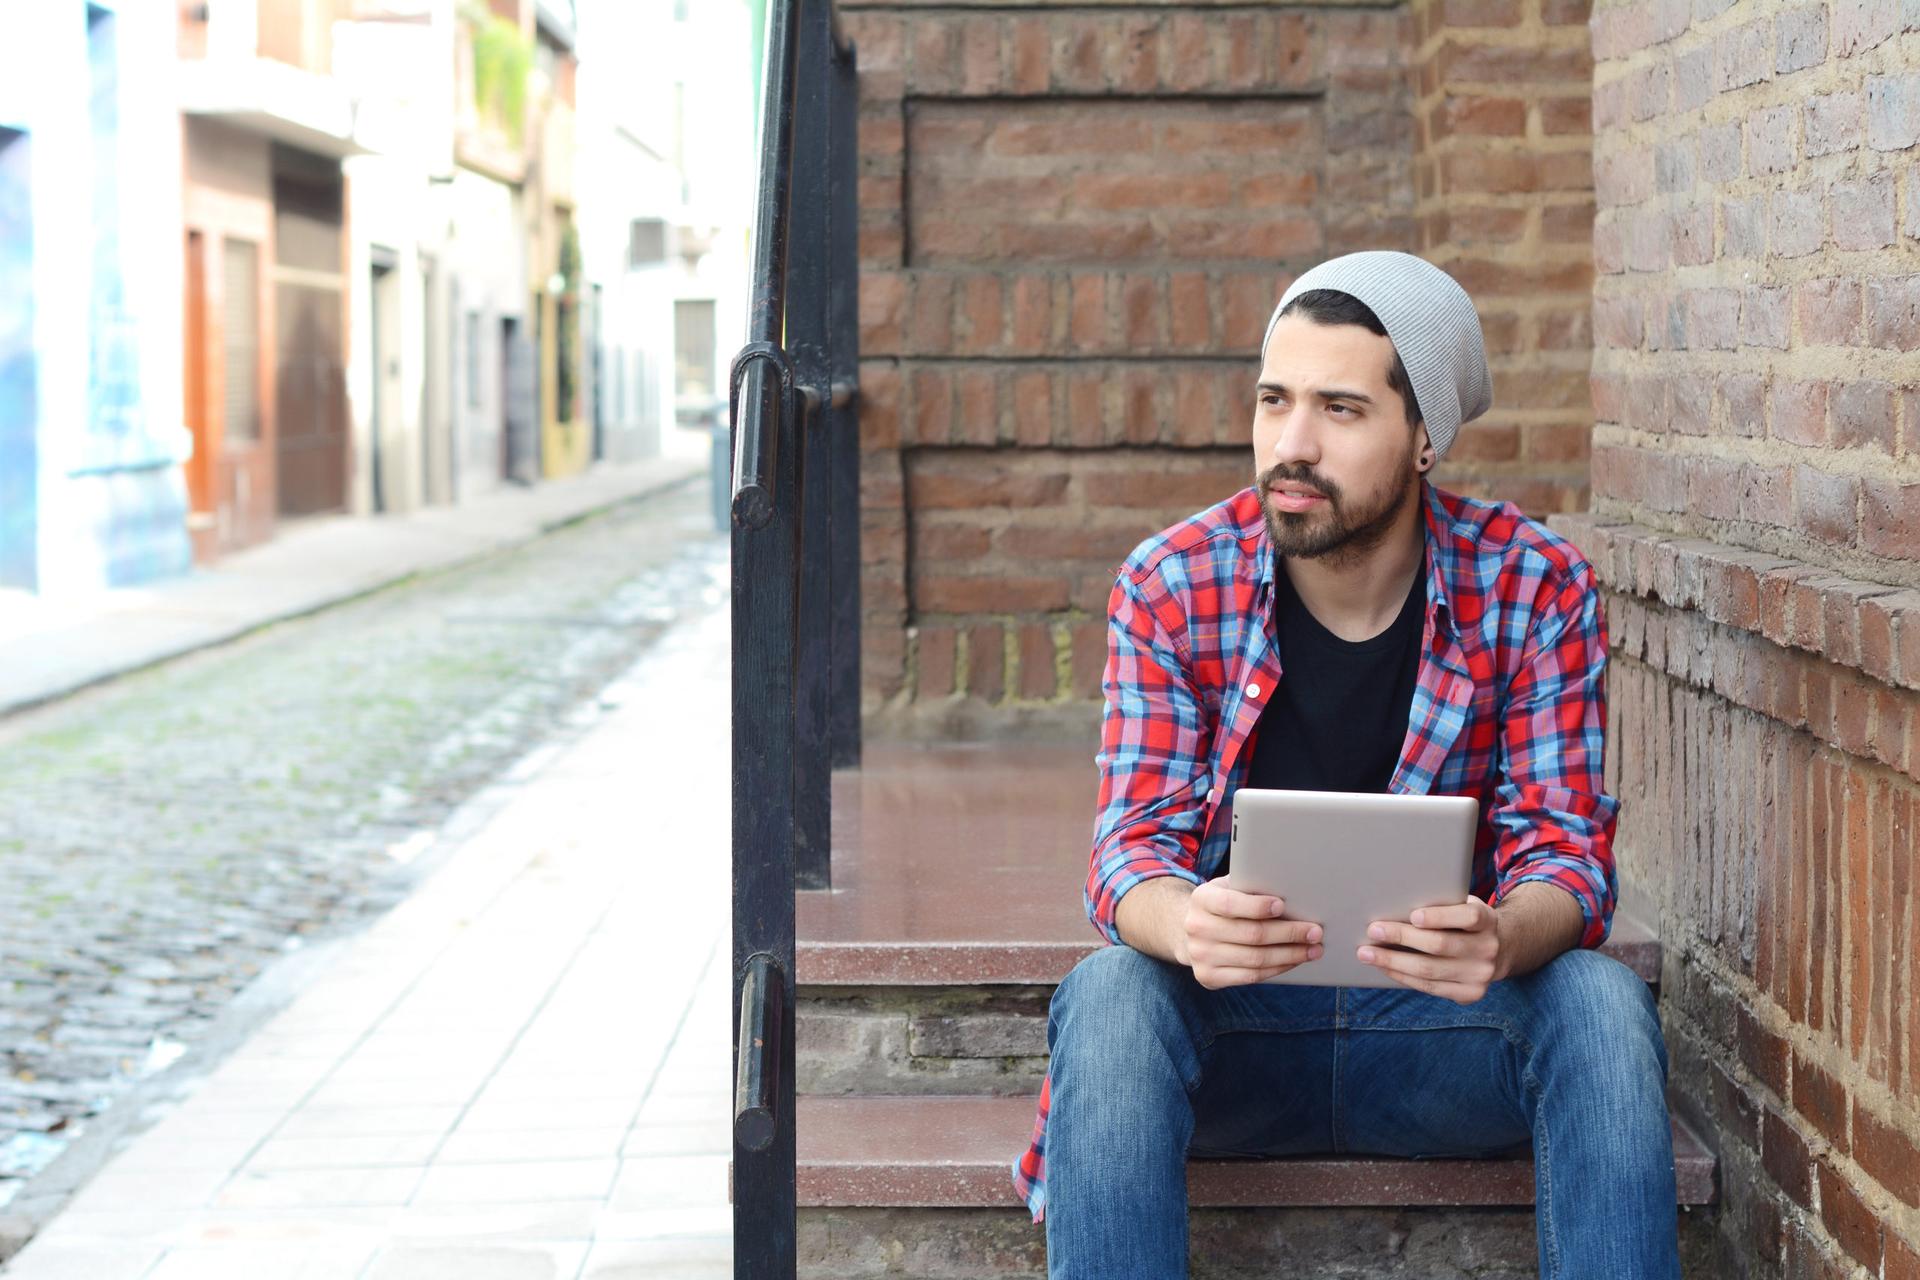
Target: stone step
[962, 864]
[955, 1152]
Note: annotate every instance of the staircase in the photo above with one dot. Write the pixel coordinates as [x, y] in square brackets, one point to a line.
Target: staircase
[923, 981]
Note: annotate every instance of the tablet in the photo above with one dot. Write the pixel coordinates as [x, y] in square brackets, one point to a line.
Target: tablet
[1346, 859]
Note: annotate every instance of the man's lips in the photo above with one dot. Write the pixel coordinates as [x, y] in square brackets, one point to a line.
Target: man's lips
[1294, 499]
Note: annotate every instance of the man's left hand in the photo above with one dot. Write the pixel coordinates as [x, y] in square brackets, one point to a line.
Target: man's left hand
[1455, 950]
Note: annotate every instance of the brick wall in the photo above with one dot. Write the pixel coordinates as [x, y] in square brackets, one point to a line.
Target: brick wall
[1505, 180]
[1755, 502]
[1075, 220]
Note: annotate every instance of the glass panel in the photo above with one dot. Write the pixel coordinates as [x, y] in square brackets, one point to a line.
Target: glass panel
[240, 336]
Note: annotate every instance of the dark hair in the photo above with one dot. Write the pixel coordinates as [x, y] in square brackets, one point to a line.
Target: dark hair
[1330, 306]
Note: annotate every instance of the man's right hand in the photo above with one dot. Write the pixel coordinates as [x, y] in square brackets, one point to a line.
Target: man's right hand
[1232, 939]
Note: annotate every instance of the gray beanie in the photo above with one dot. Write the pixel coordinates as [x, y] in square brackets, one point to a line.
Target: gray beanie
[1432, 324]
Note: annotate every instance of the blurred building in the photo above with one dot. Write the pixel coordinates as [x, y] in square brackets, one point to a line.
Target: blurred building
[91, 492]
[337, 257]
[667, 172]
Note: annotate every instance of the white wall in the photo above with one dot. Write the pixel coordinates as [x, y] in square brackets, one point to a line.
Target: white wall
[103, 497]
[401, 75]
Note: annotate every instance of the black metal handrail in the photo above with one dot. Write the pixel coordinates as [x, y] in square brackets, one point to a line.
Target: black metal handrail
[795, 505]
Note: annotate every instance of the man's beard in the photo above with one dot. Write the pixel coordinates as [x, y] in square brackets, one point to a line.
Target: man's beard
[1345, 535]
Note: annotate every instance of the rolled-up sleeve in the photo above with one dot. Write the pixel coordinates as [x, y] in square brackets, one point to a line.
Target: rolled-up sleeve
[1553, 818]
[1153, 754]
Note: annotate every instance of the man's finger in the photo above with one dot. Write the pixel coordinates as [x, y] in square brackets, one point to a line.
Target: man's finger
[1453, 991]
[1227, 955]
[1434, 942]
[1410, 964]
[1473, 914]
[1235, 976]
[1254, 933]
[1222, 901]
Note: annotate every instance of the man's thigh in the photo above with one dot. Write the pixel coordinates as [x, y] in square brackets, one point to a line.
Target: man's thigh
[1297, 1070]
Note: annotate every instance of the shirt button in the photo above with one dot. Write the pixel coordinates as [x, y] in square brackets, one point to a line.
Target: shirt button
[1253, 691]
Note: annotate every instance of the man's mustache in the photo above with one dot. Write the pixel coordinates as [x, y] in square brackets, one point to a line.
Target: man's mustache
[1300, 476]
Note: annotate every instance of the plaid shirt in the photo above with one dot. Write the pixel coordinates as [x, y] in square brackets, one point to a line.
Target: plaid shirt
[1509, 707]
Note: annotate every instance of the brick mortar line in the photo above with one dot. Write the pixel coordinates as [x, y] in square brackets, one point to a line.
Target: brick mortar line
[1858, 462]
[1802, 1040]
[1792, 363]
[1699, 1040]
[1706, 35]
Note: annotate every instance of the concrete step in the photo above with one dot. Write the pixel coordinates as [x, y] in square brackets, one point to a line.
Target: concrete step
[962, 864]
[955, 1152]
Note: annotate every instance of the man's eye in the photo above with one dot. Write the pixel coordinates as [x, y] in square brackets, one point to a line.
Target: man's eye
[1341, 408]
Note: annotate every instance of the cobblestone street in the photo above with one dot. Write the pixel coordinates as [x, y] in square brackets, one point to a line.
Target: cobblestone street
[165, 837]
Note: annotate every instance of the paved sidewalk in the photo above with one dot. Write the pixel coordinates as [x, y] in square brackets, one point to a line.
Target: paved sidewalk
[521, 1073]
[51, 647]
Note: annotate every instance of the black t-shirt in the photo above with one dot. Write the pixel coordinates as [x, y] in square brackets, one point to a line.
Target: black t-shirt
[1338, 718]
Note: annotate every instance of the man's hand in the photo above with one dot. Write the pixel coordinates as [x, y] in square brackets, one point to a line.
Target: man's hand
[1456, 951]
[1232, 939]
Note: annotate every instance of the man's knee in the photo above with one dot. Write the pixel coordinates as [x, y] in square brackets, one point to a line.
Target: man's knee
[1116, 1003]
[1589, 1002]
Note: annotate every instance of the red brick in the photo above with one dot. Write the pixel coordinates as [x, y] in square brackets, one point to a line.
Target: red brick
[1862, 413]
[1859, 25]
[1848, 1218]
[1831, 122]
[1888, 1153]
[1902, 1261]
[1566, 116]
[1862, 211]
[1893, 311]
[1479, 117]
[1036, 661]
[977, 420]
[1191, 318]
[930, 327]
[1787, 1160]
[986, 661]
[1770, 140]
[1796, 223]
[980, 55]
[1032, 408]
[1797, 412]
[1031, 51]
[1890, 518]
[1143, 310]
[1800, 38]
[1828, 311]
[1089, 658]
[933, 654]
[1820, 1100]
[1089, 311]
[1032, 314]
[942, 593]
[1762, 1051]
[1826, 505]
[935, 542]
[934, 65]
[1017, 484]
[981, 315]
[880, 394]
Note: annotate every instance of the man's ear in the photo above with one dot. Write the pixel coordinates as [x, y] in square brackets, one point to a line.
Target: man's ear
[1423, 452]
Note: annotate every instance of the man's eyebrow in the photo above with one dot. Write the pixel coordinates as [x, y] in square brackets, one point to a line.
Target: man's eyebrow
[1327, 393]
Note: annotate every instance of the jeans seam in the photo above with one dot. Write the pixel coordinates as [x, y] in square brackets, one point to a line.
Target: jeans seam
[1337, 1129]
[1543, 1178]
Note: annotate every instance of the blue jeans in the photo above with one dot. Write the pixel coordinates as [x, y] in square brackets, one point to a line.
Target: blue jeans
[1149, 1067]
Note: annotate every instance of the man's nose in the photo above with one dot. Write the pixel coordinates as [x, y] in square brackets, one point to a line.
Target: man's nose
[1297, 440]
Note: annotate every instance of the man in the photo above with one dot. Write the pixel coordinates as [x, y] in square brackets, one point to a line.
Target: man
[1343, 625]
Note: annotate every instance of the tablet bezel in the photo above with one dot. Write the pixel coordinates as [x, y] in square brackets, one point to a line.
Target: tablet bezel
[1345, 859]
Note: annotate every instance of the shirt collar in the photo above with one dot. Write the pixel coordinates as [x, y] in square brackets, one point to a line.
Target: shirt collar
[1434, 530]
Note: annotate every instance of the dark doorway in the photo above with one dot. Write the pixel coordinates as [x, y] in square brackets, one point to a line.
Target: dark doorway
[519, 406]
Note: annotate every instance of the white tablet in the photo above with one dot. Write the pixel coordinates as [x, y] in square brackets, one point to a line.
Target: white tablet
[1345, 859]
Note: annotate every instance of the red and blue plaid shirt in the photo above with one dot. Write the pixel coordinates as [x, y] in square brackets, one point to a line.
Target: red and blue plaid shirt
[1509, 707]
